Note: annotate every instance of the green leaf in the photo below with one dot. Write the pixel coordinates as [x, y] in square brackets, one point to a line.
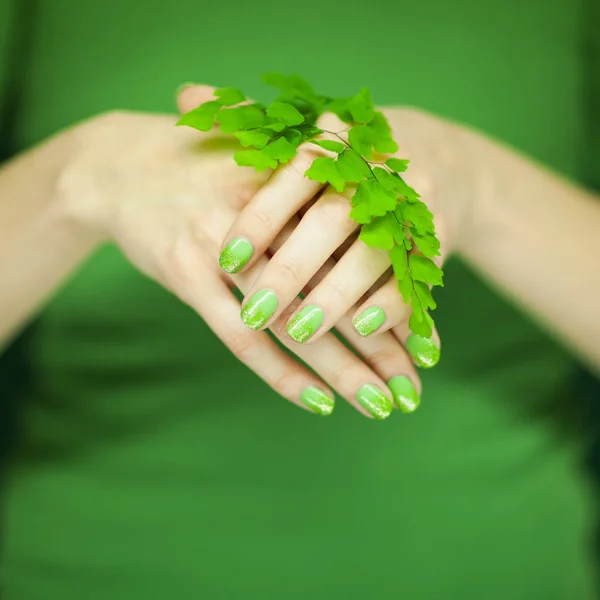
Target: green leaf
[373, 200]
[308, 131]
[382, 134]
[293, 136]
[254, 158]
[361, 213]
[419, 216]
[404, 189]
[361, 106]
[299, 93]
[386, 179]
[330, 145]
[286, 113]
[352, 167]
[229, 96]
[425, 270]
[339, 107]
[423, 293]
[280, 150]
[361, 140]
[420, 322]
[427, 244]
[277, 126]
[405, 285]
[380, 232]
[397, 164]
[257, 138]
[375, 135]
[201, 118]
[241, 117]
[290, 84]
[399, 258]
[324, 170]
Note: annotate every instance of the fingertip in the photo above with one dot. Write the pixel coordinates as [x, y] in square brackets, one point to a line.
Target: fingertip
[191, 95]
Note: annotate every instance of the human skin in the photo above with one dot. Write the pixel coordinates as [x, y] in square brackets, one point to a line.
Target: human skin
[136, 180]
[529, 232]
[166, 197]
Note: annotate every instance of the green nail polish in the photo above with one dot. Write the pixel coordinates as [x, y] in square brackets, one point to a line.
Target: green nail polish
[423, 351]
[259, 309]
[318, 400]
[305, 323]
[369, 321]
[235, 256]
[375, 401]
[404, 393]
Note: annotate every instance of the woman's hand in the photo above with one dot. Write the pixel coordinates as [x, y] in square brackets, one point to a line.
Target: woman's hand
[167, 196]
[358, 286]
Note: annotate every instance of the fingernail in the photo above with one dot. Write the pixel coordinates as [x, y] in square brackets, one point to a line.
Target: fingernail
[259, 309]
[375, 401]
[235, 256]
[183, 86]
[303, 326]
[423, 350]
[318, 400]
[404, 393]
[369, 321]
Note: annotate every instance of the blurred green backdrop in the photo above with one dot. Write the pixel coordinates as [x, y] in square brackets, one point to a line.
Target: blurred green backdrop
[126, 483]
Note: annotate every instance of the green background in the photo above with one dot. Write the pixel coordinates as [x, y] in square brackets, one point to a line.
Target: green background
[150, 464]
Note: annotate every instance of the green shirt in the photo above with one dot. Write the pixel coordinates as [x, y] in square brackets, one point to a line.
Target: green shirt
[150, 464]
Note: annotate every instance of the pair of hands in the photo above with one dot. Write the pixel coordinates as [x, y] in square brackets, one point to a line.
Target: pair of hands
[186, 215]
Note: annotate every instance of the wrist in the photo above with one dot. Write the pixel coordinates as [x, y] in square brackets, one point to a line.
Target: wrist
[80, 190]
[485, 174]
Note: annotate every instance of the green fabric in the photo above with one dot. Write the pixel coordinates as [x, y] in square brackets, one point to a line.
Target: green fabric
[129, 483]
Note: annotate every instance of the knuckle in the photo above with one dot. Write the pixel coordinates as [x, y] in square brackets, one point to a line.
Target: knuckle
[290, 269]
[381, 358]
[242, 345]
[283, 384]
[342, 374]
[176, 265]
[333, 210]
[337, 288]
[294, 170]
[262, 220]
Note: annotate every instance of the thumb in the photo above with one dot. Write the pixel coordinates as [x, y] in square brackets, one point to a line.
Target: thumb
[190, 96]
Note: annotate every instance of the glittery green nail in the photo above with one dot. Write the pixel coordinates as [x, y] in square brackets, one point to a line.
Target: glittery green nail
[235, 256]
[404, 393]
[369, 321]
[375, 401]
[423, 351]
[259, 309]
[318, 400]
[303, 326]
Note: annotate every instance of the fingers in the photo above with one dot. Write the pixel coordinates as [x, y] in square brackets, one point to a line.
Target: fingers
[386, 356]
[348, 281]
[182, 271]
[284, 194]
[259, 223]
[357, 382]
[425, 352]
[324, 227]
[383, 353]
[343, 371]
[384, 309]
[192, 96]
